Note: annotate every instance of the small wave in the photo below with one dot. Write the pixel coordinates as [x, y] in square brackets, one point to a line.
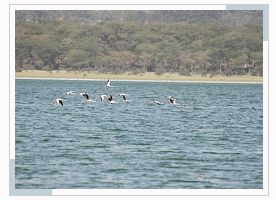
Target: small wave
[141, 144]
[176, 158]
[95, 138]
[117, 170]
[101, 146]
[86, 146]
[89, 159]
[117, 129]
[142, 150]
[185, 181]
[209, 152]
[224, 139]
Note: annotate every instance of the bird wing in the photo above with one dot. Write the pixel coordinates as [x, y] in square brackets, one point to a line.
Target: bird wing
[102, 97]
[61, 102]
[108, 83]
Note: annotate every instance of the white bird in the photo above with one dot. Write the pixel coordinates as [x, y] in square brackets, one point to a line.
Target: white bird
[110, 98]
[125, 100]
[123, 94]
[87, 97]
[108, 83]
[173, 101]
[124, 97]
[201, 177]
[70, 92]
[58, 101]
[157, 102]
[102, 97]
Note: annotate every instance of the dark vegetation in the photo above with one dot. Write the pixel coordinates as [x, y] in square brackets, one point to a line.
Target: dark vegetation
[225, 42]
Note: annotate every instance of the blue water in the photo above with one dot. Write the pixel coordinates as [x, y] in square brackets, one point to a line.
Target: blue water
[217, 131]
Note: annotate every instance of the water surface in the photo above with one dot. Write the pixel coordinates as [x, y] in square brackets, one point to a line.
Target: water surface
[217, 131]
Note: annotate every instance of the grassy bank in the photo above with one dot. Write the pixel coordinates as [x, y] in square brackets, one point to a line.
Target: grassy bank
[146, 76]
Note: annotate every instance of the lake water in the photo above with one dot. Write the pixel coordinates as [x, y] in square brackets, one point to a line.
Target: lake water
[217, 131]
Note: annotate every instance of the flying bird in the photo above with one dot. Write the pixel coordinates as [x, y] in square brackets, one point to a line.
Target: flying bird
[156, 102]
[87, 97]
[173, 101]
[110, 98]
[122, 94]
[58, 101]
[102, 97]
[108, 83]
[70, 92]
[124, 97]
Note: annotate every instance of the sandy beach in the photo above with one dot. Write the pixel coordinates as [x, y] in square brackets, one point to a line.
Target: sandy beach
[150, 76]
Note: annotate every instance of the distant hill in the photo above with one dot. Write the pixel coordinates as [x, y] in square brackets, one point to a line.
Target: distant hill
[232, 18]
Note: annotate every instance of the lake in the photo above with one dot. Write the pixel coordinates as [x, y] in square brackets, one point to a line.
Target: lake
[217, 131]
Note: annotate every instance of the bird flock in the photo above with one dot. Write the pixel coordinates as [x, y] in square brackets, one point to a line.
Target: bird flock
[111, 101]
[60, 101]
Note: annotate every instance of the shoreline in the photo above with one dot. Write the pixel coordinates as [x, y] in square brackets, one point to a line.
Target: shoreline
[127, 80]
[146, 77]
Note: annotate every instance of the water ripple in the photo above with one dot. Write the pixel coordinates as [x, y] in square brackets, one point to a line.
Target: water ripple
[217, 131]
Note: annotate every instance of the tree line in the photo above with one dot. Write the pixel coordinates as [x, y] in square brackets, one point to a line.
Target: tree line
[227, 17]
[207, 47]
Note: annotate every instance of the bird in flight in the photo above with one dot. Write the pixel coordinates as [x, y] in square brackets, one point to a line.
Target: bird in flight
[124, 97]
[110, 98]
[87, 97]
[156, 102]
[102, 97]
[108, 83]
[70, 92]
[173, 101]
[58, 101]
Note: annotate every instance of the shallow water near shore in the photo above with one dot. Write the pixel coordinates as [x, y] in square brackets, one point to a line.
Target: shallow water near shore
[217, 131]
